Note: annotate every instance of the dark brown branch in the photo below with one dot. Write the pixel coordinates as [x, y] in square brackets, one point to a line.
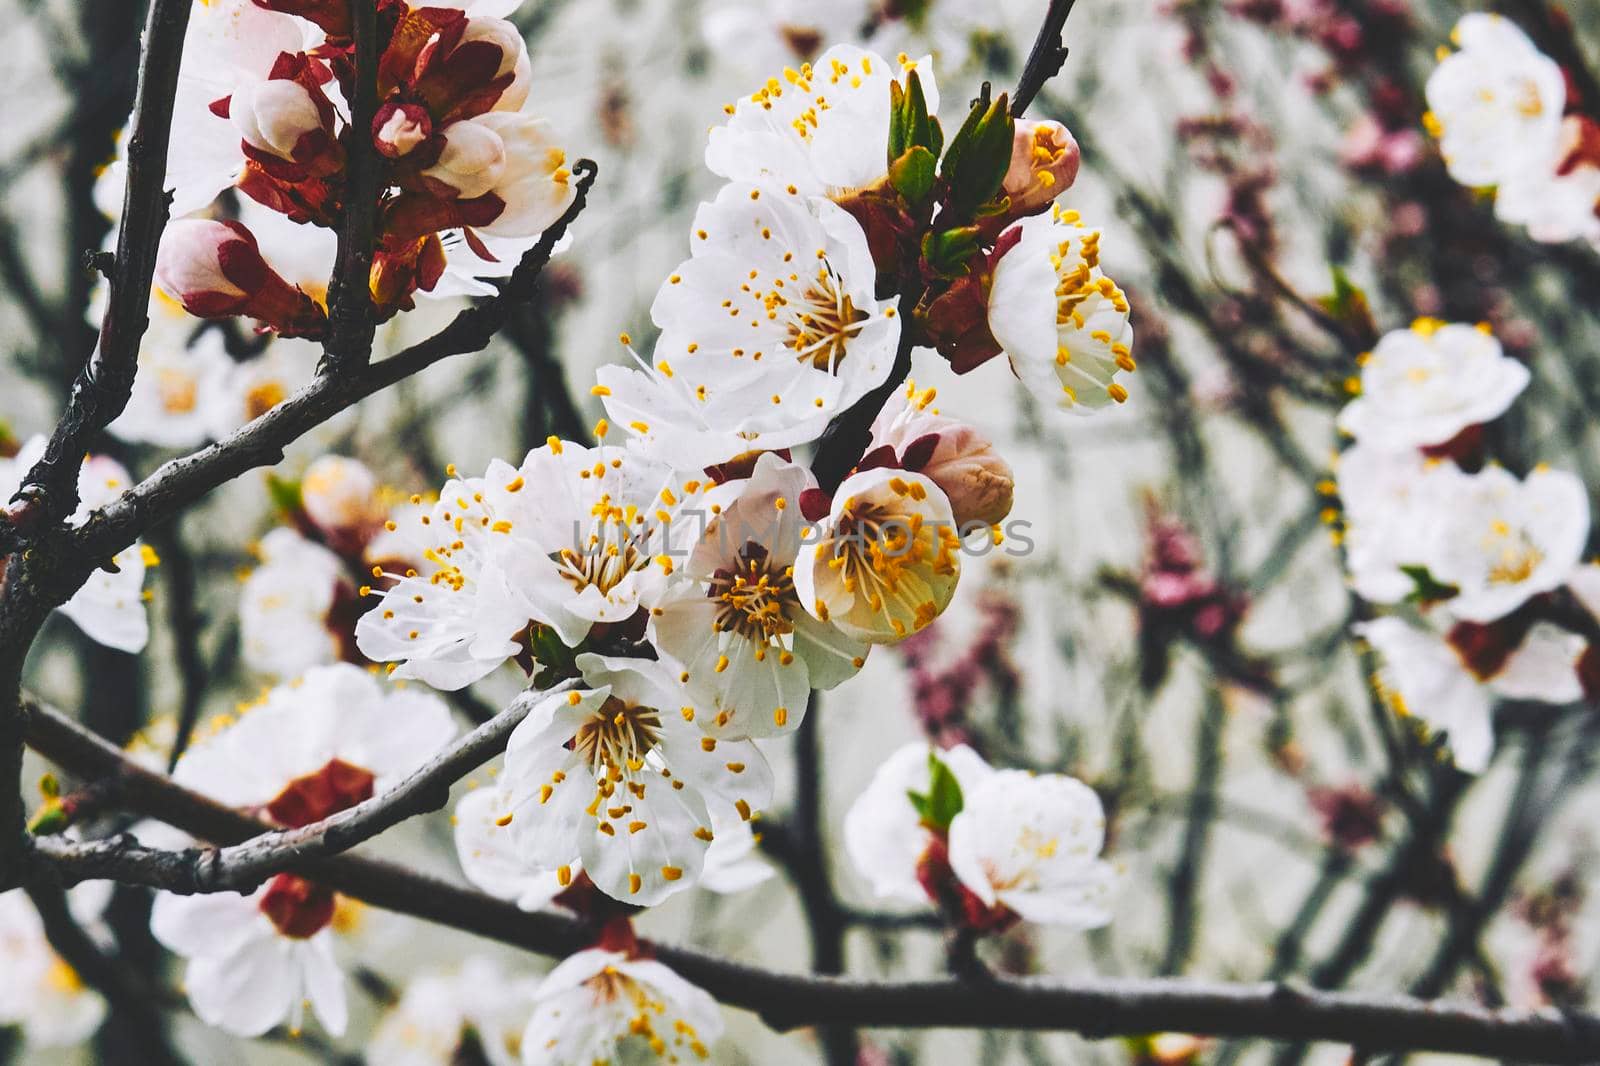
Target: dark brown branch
[50, 491]
[242, 867]
[1045, 58]
[350, 321]
[1096, 1007]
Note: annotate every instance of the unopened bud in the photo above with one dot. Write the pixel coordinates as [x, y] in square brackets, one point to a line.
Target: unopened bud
[340, 494]
[398, 128]
[333, 16]
[471, 68]
[953, 455]
[275, 117]
[215, 270]
[1044, 163]
[471, 163]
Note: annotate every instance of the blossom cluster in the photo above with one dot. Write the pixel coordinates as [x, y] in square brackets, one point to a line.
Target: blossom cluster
[1479, 555]
[768, 499]
[1509, 119]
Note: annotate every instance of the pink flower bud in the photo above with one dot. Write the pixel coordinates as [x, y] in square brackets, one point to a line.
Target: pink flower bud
[275, 116]
[215, 270]
[1044, 163]
[398, 128]
[470, 67]
[471, 163]
[953, 455]
[340, 496]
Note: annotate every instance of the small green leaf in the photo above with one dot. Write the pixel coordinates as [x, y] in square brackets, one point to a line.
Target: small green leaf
[899, 122]
[979, 156]
[51, 819]
[1426, 587]
[944, 800]
[285, 494]
[912, 174]
[948, 251]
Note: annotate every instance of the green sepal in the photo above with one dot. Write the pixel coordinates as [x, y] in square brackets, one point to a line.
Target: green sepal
[913, 173]
[949, 251]
[1425, 587]
[285, 493]
[938, 807]
[50, 820]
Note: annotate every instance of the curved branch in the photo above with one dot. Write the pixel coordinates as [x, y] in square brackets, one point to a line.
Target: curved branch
[1095, 1007]
[50, 491]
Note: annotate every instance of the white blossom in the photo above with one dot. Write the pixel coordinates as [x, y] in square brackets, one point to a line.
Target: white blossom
[619, 773]
[110, 606]
[886, 560]
[313, 747]
[821, 128]
[1497, 103]
[733, 617]
[1062, 322]
[39, 991]
[436, 1013]
[1424, 385]
[572, 538]
[284, 606]
[1392, 502]
[883, 833]
[1501, 540]
[603, 1006]
[1031, 843]
[770, 329]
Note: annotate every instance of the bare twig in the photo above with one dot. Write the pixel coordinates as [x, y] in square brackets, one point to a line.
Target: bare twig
[1045, 58]
[50, 490]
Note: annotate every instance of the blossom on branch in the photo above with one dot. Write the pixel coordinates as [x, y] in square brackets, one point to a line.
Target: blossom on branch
[316, 746]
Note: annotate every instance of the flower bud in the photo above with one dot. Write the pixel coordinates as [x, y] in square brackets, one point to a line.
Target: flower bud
[340, 495]
[215, 270]
[398, 128]
[275, 116]
[1044, 163]
[333, 16]
[953, 455]
[470, 67]
[470, 164]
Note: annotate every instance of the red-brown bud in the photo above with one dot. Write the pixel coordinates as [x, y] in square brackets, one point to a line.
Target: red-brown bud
[215, 270]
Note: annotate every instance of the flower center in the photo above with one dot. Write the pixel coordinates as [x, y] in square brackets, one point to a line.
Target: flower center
[755, 597]
[881, 555]
[296, 907]
[178, 391]
[1516, 557]
[608, 554]
[617, 738]
[821, 322]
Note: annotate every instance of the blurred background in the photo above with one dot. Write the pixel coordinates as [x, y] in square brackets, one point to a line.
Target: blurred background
[1178, 634]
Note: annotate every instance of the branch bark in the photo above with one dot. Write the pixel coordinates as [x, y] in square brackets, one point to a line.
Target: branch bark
[350, 323]
[243, 867]
[50, 491]
[1097, 1008]
[1045, 58]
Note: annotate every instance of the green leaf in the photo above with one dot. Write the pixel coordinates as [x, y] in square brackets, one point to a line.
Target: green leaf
[921, 131]
[1426, 587]
[49, 820]
[285, 493]
[912, 174]
[948, 251]
[944, 795]
[980, 154]
[899, 122]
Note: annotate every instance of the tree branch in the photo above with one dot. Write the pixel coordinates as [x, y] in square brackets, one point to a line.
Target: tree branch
[261, 442]
[1045, 58]
[50, 491]
[1097, 1008]
[350, 323]
[243, 867]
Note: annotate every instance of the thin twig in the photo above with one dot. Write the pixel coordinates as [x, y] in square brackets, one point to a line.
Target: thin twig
[50, 491]
[1045, 58]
